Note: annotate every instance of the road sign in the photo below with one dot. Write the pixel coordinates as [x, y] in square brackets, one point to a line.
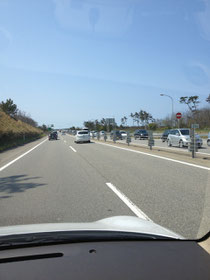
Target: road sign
[128, 138]
[110, 121]
[151, 142]
[193, 147]
[105, 137]
[178, 115]
[195, 125]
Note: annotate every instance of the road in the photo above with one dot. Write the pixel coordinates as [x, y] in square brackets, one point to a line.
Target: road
[60, 181]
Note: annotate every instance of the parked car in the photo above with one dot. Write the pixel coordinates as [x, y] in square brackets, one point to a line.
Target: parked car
[123, 134]
[102, 133]
[141, 134]
[82, 136]
[117, 133]
[53, 135]
[208, 140]
[93, 133]
[165, 135]
[181, 138]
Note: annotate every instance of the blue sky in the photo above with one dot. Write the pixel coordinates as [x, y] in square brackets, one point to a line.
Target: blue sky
[66, 61]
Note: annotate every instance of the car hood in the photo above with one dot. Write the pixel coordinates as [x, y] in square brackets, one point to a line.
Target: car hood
[118, 223]
[187, 137]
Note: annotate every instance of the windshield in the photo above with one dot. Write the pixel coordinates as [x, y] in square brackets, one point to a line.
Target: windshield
[185, 132]
[93, 71]
[83, 132]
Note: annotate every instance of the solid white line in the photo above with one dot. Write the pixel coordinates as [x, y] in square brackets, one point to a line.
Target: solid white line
[155, 156]
[72, 149]
[11, 162]
[128, 202]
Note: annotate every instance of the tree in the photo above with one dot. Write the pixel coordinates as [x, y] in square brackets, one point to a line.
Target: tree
[9, 107]
[124, 121]
[43, 127]
[137, 118]
[152, 126]
[145, 117]
[132, 116]
[90, 125]
[22, 116]
[103, 122]
[191, 101]
[208, 99]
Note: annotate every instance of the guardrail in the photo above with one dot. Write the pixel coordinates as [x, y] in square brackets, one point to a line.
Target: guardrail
[151, 144]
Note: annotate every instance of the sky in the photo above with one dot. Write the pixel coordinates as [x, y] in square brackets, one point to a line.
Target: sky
[68, 61]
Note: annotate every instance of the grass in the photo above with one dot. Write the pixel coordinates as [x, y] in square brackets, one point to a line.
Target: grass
[14, 133]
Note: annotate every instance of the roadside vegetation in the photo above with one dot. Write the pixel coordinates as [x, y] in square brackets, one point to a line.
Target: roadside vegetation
[192, 113]
[16, 127]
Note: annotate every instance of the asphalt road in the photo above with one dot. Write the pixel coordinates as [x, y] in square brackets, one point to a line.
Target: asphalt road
[60, 181]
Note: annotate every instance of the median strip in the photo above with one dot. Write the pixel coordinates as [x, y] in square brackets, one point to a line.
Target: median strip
[128, 202]
[156, 156]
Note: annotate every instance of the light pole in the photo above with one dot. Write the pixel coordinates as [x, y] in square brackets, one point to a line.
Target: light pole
[172, 102]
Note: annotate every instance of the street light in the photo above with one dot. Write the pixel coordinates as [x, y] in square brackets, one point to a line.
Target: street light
[172, 101]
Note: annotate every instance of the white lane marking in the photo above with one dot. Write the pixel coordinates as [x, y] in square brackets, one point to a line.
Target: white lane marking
[72, 149]
[128, 202]
[14, 160]
[155, 156]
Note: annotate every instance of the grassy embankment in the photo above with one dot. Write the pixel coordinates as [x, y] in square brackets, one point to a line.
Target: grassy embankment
[14, 133]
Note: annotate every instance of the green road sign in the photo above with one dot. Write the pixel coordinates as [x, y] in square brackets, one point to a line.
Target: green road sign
[195, 125]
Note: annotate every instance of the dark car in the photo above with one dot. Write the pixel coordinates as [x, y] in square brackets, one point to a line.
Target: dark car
[165, 135]
[117, 133]
[208, 140]
[53, 136]
[141, 134]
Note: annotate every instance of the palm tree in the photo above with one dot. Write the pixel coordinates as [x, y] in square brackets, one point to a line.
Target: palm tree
[122, 121]
[132, 116]
[208, 99]
[125, 119]
[136, 115]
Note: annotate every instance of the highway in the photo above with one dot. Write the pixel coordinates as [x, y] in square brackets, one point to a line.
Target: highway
[60, 181]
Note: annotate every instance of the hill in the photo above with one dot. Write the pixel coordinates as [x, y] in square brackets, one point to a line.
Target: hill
[15, 132]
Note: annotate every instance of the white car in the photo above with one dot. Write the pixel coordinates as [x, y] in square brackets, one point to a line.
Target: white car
[82, 136]
[124, 134]
[181, 137]
[93, 133]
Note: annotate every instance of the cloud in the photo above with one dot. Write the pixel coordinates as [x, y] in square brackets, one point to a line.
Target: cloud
[204, 20]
